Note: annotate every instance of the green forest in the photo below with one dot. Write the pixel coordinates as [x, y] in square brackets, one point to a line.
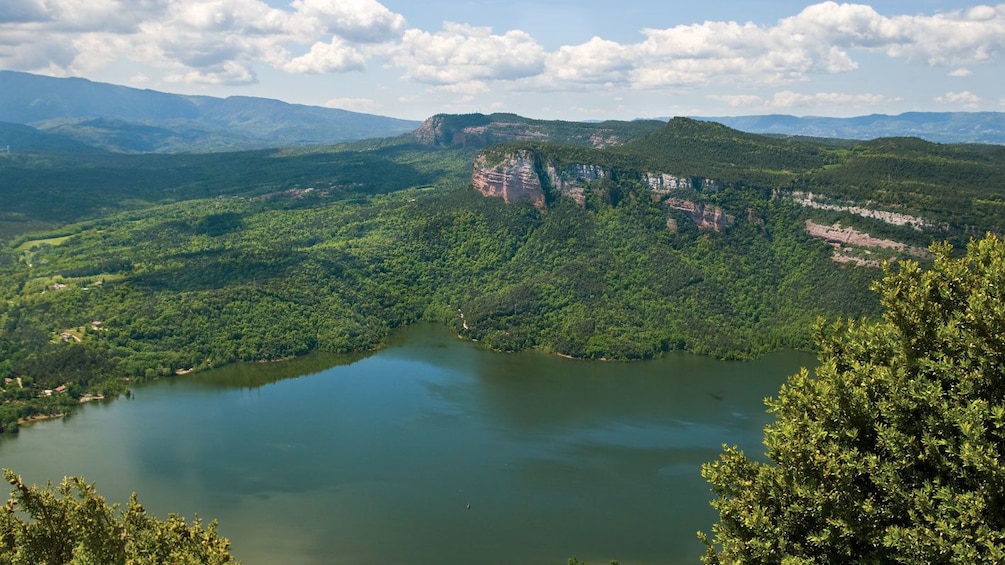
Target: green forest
[116, 268]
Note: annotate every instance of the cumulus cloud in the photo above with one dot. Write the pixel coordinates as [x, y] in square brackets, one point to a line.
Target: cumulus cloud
[462, 53]
[365, 21]
[596, 61]
[823, 38]
[789, 99]
[224, 41]
[228, 72]
[200, 41]
[965, 98]
[820, 39]
[334, 56]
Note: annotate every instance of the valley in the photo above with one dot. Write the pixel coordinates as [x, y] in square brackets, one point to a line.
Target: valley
[687, 236]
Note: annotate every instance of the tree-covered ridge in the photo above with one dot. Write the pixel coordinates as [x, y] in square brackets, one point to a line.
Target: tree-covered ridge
[157, 264]
[481, 130]
[957, 191]
[129, 120]
[44, 190]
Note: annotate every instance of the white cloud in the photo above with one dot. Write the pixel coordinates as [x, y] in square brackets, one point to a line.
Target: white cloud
[228, 72]
[965, 98]
[364, 21]
[335, 56]
[200, 41]
[467, 87]
[225, 41]
[354, 104]
[462, 53]
[596, 61]
[789, 99]
[820, 39]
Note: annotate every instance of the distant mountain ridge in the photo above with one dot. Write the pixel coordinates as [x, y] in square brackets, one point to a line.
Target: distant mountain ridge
[124, 119]
[940, 127]
[481, 130]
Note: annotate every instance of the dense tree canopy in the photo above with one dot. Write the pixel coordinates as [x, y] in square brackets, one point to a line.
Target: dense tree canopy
[894, 452]
[73, 524]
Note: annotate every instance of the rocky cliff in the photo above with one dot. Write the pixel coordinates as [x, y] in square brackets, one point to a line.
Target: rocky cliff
[705, 216]
[516, 178]
[662, 184]
[525, 176]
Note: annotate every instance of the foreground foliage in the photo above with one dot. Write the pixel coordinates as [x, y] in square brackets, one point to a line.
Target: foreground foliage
[895, 451]
[71, 523]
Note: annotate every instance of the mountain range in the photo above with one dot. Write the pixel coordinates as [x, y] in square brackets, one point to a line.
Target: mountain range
[940, 127]
[76, 111]
[78, 115]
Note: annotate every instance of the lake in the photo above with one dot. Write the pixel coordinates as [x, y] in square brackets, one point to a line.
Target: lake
[430, 451]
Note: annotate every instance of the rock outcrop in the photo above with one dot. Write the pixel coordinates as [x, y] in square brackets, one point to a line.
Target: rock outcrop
[662, 184]
[514, 179]
[705, 216]
[856, 247]
[808, 200]
[571, 180]
[524, 176]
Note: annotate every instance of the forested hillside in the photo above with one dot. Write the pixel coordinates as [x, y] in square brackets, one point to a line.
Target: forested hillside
[131, 120]
[150, 265]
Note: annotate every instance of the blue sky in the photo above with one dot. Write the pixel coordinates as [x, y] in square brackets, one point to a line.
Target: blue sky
[556, 59]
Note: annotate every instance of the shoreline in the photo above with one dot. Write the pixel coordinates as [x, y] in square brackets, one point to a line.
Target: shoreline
[43, 417]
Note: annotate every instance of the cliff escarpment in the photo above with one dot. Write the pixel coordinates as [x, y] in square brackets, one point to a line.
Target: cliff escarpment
[523, 175]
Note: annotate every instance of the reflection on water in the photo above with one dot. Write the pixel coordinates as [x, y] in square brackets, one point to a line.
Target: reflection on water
[377, 458]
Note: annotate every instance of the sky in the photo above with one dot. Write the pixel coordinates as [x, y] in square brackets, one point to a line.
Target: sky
[547, 59]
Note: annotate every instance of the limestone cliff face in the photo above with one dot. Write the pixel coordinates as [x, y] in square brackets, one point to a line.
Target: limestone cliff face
[661, 184]
[571, 180]
[522, 177]
[705, 216]
[514, 179]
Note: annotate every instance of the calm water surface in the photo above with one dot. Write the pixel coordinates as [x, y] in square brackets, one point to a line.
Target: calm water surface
[376, 460]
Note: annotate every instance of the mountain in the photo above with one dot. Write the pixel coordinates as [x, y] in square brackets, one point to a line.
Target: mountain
[22, 138]
[940, 127]
[481, 130]
[132, 120]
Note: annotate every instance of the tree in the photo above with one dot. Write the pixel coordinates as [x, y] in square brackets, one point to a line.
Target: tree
[72, 524]
[895, 451]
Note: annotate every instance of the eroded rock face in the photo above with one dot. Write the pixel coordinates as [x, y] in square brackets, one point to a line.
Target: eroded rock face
[571, 180]
[523, 177]
[706, 217]
[514, 179]
[520, 177]
[662, 184]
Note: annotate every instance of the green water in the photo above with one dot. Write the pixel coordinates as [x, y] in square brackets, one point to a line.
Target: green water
[375, 460]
